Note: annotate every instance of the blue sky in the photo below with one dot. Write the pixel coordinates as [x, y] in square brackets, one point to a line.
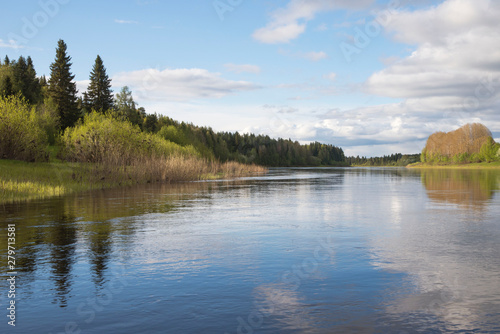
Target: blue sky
[374, 77]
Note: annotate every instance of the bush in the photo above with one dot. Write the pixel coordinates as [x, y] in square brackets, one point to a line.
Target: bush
[173, 134]
[489, 150]
[49, 120]
[21, 134]
[185, 137]
[103, 139]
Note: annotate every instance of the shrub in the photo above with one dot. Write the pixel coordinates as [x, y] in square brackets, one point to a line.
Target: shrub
[186, 136]
[49, 120]
[489, 150]
[104, 139]
[21, 134]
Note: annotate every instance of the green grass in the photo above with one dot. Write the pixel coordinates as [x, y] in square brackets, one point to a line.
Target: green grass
[25, 181]
[479, 165]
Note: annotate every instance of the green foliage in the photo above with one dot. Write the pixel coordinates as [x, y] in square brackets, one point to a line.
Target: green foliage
[62, 88]
[249, 148]
[22, 136]
[6, 87]
[174, 135]
[49, 120]
[125, 108]
[489, 151]
[151, 123]
[19, 77]
[25, 80]
[184, 137]
[423, 155]
[99, 95]
[103, 139]
[393, 160]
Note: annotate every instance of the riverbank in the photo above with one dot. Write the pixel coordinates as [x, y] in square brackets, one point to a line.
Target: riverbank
[479, 165]
[22, 181]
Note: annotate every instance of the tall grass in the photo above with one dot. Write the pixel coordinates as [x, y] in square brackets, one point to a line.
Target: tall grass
[21, 181]
[120, 152]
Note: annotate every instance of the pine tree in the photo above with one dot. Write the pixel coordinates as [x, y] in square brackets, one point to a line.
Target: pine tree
[6, 61]
[99, 94]
[62, 88]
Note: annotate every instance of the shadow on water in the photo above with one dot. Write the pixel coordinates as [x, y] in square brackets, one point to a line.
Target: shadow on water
[49, 232]
[52, 235]
[467, 188]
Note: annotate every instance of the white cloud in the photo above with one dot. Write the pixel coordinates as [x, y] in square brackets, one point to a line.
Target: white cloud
[275, 34]
[455, 63]
[315, 56]
[82, 86]
[11, 44]
[179, 84]
[125, 22]
[244, 68]
[290, 22]
[437, 24]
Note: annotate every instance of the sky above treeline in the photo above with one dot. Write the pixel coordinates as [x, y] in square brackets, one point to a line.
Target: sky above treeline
[373, 77]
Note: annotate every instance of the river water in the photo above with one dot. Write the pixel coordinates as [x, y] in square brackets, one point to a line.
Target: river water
[298, 250]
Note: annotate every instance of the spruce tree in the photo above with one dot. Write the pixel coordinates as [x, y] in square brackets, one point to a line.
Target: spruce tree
[6, 61]
[33, 83]
[99, 93]
[6, 88]
[62, 88]
[25, 80]
[20, 71]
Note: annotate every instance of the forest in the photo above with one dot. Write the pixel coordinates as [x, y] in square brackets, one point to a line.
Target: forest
[396, 160]
[58, 111]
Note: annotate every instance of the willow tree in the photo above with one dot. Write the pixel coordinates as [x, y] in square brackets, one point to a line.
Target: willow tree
[468, 139]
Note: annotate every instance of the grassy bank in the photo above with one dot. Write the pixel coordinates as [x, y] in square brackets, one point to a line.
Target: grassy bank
[479, 165]
[20, 181]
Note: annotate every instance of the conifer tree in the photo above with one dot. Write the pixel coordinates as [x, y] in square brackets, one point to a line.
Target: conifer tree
[6, 61]
[99, 93]
[20, 71]
[6, 88]
[62, 88]
[33, 93]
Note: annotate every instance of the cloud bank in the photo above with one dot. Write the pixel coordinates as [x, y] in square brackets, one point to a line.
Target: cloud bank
[180, 84]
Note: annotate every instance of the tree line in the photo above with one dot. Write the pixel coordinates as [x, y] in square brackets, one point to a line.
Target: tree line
[57, 103]
[397, 159]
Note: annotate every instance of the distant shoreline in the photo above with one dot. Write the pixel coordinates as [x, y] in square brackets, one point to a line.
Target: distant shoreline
[479, 165]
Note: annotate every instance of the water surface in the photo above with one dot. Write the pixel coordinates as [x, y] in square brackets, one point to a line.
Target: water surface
[300, 250]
